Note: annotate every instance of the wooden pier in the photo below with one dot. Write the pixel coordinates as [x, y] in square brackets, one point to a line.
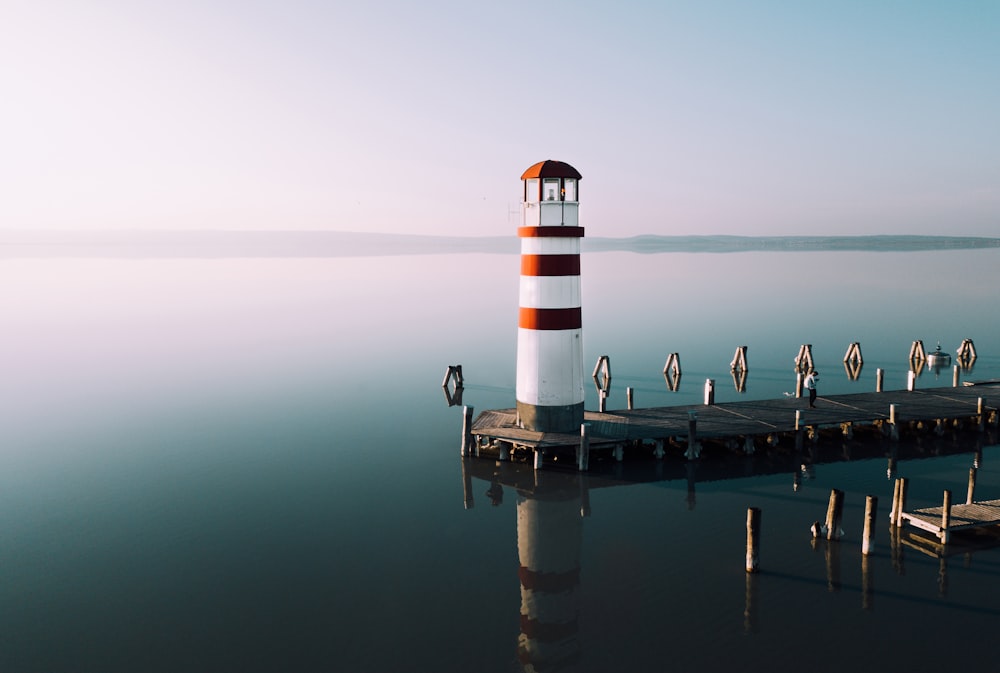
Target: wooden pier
[961, 517]
[743, 425]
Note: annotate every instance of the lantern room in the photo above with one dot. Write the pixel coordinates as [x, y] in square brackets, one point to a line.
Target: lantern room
[551, 195]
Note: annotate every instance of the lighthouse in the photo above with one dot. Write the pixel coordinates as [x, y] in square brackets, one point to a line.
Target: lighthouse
[549, 387]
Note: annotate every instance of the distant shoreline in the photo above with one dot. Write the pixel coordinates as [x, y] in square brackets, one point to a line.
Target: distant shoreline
[24, 244]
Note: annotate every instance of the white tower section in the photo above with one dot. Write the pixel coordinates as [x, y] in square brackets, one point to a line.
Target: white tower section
[550, 326]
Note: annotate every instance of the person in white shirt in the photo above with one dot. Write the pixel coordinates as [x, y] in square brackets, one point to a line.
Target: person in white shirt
[811, 387]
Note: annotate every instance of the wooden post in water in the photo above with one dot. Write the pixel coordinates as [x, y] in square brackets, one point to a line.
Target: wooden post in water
[658, 450]
[798, 384]
[871, 507]
[911, 380]
[946, 518]
[954, 376]
[692, 451]
[879, 379]
[895, 502]
[834, 512]
[899, 502]
[980, 411]
[709, 392]
[538, 459]
[467, 431]
[583, 451]
[602, 403]
[972, 486]
[753, 539]
[630, 397]
[893, 421]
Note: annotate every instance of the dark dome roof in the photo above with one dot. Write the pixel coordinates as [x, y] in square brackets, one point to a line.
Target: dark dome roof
[551, 169]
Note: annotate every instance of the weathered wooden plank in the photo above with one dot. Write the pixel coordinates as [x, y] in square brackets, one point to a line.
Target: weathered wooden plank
[751, 418]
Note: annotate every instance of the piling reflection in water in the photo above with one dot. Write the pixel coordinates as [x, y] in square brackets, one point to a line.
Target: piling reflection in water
[553, 505]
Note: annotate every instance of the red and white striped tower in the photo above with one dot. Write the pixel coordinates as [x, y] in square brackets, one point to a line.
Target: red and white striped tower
[550, 326]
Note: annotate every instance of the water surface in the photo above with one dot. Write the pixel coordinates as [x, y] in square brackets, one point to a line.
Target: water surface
[222, 464]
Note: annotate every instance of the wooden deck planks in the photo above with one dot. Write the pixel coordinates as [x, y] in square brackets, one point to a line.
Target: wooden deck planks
[750, 418]
[965, 516]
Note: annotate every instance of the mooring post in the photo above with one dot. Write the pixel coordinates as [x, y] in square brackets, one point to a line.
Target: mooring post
[658, 451]
[946, 518]
[871, 507]
[972, 486]
[981, 411]
[709, 392]
[692, 450]
[879, 379]
[583, 452]
[899, 502]
[798, 384]
[538, 459]
[911, 380]
[602, 401]
[954, 376]
[753, 539]
[893, 421]
[895, 503]
[834, 512]
[630, 397]
[467, 431]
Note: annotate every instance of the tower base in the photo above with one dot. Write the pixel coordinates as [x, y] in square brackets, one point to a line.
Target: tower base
[563, 418]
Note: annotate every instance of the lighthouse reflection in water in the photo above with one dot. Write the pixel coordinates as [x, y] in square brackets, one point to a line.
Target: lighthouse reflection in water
[549, 537]
[550, 512]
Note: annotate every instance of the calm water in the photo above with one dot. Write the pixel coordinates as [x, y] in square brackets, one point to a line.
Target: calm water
[250, 465]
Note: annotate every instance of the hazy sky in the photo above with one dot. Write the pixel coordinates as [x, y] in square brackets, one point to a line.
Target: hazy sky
[756, 117]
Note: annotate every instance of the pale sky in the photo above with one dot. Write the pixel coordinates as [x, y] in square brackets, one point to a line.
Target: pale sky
[755, 118]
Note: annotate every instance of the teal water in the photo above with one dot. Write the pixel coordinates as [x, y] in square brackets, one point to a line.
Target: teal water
[250, 465]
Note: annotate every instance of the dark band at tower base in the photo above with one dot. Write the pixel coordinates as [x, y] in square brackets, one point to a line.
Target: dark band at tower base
[563, 418]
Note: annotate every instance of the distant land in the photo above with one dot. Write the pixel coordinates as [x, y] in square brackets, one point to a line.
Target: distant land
[25, 244]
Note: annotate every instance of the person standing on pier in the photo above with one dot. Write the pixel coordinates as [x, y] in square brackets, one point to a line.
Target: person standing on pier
[810, 383]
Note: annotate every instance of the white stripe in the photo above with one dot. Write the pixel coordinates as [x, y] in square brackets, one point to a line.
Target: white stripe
[550, 292]
[549, 367]
[545, 245]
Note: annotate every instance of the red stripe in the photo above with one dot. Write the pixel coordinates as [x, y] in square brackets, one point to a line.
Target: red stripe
[554, 232]
[550, 318]
[556, 582]
[548, 632]
[550, 265]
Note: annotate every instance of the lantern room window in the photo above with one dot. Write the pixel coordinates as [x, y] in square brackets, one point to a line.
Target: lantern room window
[569, 189]
[550, 189]
[531, 190]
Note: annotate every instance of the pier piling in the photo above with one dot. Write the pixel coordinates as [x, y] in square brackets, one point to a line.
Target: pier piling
[834, 514]
[753, 539]
[467, 431]
[871, 507]
[946, 518]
